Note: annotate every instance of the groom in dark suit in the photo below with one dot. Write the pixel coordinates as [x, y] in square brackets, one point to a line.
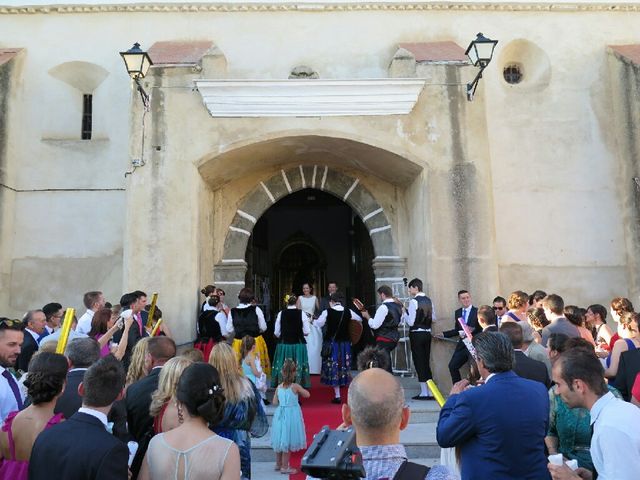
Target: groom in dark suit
[469, 315]
[82, 448]
[498, 427]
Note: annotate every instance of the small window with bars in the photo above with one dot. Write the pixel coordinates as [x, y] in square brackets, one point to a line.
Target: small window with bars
[512, 74]
[87, 110]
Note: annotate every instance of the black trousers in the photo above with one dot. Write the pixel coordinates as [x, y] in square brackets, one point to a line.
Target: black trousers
[421, 354]
[387, 348]
[458, 359]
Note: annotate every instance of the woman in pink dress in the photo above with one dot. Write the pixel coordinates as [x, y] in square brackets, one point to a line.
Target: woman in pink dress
[105, 324]
[45, 383]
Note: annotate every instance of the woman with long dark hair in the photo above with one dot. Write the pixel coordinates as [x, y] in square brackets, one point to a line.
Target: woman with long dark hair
[104, 325]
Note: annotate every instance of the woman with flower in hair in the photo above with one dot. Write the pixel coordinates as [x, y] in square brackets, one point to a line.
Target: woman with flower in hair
[191, 450]
[292, 326]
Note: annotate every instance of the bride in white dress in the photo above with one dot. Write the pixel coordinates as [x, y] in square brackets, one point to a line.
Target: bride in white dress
[308, 303]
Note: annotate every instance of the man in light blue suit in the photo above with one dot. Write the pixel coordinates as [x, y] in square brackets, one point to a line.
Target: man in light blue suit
[500, 426]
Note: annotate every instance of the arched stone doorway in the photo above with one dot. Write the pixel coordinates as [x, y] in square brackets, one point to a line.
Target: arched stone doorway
[387, 265]
[310, 237]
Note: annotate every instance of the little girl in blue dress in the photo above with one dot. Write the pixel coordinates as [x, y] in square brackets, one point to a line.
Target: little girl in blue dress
[287, 430]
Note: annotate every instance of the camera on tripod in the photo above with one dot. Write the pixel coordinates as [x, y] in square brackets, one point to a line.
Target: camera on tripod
[333, 455]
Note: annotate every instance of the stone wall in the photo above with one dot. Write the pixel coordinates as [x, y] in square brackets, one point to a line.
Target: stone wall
[625, 100]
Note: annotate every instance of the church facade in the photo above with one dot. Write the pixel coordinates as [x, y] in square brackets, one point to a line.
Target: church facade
[359, 107]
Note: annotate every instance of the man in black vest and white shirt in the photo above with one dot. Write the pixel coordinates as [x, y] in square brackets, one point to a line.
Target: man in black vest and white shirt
[385, 322]
[419, 318]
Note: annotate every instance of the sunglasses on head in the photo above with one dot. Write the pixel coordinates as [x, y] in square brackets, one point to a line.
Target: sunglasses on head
[6, 323]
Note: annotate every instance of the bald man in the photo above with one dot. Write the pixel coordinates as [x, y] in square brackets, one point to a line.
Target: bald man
[376, 408]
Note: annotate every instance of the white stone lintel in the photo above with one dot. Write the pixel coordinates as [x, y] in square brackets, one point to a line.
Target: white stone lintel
[310, 97]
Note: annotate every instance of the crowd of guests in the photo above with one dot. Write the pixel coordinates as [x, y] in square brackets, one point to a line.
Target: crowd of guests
[120, 402]
[548, 383]
[551, 393]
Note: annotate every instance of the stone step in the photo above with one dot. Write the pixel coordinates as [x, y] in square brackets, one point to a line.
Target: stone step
[418, 438]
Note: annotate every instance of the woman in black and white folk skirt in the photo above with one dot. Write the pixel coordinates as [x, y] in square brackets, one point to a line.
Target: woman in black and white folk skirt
[336, 348]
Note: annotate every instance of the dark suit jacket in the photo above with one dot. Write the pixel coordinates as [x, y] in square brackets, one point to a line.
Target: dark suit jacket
[526, 367]
[140, 423]
[133, 337]
[628, 368]
[78, 449]
[138, 401]
[499, 439]
[29, 347]
[70, 400]
[472, 323]
[491, 328]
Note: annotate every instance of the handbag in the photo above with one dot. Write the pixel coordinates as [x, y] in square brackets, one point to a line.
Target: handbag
[326, 346]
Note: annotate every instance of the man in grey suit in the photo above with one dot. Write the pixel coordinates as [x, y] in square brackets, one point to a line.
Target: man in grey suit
[81, 353]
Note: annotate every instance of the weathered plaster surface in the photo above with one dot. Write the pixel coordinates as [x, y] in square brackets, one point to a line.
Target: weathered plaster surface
[526, 187]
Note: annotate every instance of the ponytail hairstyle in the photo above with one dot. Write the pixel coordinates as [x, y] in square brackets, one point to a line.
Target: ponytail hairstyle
[290, 299]
[248, 342]
[46, 377]
[200, 392]
[289, 368]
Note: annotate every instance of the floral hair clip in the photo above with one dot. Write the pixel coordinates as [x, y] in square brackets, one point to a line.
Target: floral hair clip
[286, 298]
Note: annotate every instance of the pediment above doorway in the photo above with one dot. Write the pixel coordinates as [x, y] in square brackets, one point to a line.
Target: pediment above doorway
[309, 97]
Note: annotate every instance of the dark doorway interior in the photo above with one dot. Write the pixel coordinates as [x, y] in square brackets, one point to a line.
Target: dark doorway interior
[309, 236]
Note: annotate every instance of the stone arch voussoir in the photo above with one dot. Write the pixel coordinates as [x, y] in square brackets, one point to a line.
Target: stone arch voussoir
[388, 264]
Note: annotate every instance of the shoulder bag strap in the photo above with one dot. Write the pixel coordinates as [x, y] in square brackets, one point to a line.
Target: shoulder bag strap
[411, 471]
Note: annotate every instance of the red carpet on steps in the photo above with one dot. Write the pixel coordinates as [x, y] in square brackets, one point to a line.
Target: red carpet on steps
[317, 412]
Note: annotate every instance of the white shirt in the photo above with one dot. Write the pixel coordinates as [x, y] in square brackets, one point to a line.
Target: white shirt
[84, 324]
[8, 401]
[409, 317]
[381, 314]
[305, 322]
[262, 324]
[615, 444]
[221, 318]
[95, 413]
[322, 319]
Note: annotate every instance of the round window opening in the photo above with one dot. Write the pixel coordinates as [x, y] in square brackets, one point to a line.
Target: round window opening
[512, 74]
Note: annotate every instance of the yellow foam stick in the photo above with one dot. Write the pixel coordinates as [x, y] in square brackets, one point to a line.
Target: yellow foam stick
[66, 328]
[152, 309]
[437, 394]
[156, 328]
